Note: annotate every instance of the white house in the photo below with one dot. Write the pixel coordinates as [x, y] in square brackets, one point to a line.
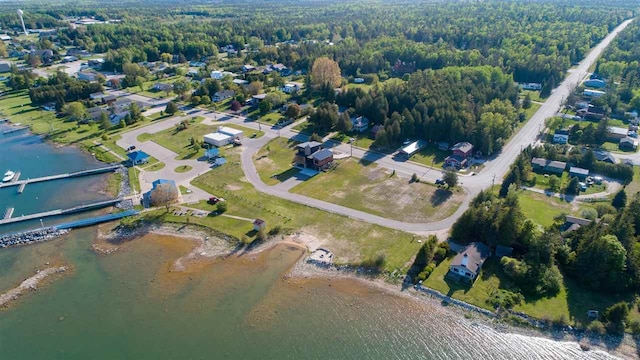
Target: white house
[223, 95]
[359, 124]
[217, 74]
[291, 88]
[561, 136]
[88, 75]
[240, 82]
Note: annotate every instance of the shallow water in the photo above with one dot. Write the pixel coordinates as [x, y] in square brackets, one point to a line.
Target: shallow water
[136, 304]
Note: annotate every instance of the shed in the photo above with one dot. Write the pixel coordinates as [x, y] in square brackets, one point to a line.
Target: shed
[259, 224]
[212, 153]
[138, 157]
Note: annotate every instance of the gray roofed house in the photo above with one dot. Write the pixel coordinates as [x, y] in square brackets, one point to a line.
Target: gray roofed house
[604, 156]
[628, 143]
[467, 263]
[322, 154]
[544, 165]
[5, 67]
[580, 173]
[574, 223]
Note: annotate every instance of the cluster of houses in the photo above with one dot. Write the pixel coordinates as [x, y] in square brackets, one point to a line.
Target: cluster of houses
[116, 109]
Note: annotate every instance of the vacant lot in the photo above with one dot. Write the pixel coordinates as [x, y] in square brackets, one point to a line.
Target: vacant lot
[372, 189]
[274, 160]
[352, 241]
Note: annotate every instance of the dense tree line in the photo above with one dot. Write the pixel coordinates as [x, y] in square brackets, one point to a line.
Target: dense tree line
[60, 88]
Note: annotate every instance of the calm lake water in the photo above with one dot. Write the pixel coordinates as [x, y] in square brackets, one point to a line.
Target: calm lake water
[134, 303]
[33, 157]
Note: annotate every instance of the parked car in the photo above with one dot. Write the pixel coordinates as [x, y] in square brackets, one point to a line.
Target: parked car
[583, 186]
[439, 182]
[213, 200]
[131, 148]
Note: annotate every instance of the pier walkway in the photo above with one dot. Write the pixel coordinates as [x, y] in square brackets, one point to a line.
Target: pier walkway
[24, 182]
[75, 209]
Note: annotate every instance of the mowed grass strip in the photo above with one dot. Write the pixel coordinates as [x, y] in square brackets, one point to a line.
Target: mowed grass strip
[374, 190]
[352, 241]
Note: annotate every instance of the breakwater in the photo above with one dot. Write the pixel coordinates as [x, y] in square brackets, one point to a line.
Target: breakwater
[31, 236]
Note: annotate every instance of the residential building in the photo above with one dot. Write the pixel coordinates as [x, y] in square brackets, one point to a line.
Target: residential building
[109, 99]
[162, 87]
[147, 198]
[628, 143]
[359, 124]
[240, 82]
[592, 93]
[95, 63]
[255, 99]
[115, 118]
[95, 112]
[466, 265]
[44, 54]
[375, 129]
[548, 166]
[217, 74]
[595, 83]
[461, 152]
[78, 52]
[616, 133]
[592, 112]
[530, 86]
[311, 155]
[88, 75]
[96, 96]
[5, 37]
[412, 148]
[223, 95]
[138, 157]
[580, 173]
[292, 87]
[604, 156]
[247, 68]
[5, 67]
[561, 136]
[69, 58]
[572, 223]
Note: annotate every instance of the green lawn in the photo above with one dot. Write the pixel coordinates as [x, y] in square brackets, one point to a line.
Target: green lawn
[372, 189]
[431, 156]
[271, 118]
[541, 208]
[535, 95]
[273, 161]
[113, 184]
[182, 168]
[532, 110]
[571, 303]
[134, 179]
[307, 128]
[361, 140]
[155, 166]
[634, 186]
[179, 142]
[352, 241]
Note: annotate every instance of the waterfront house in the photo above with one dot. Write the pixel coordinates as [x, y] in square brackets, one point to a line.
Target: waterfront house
[466, 264]
[259, 224]
[138, 157]
[170, 185]
[359, 124]
[580, 173]
[561, 136]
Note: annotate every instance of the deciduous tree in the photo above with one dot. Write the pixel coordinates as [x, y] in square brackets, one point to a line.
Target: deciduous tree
[325, 72]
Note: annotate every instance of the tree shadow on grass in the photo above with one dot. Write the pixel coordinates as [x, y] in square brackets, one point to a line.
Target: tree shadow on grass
[440, 196]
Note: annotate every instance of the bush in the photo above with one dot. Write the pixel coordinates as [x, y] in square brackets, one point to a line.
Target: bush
[596, 327]
[589, 213]
[634, 327]
[414, 178]
[439, 255]
[105, 137]
[505, 299]
[424, 274]
[275, 230]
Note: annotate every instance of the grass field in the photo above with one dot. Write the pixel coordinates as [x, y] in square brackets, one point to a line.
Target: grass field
[134, 179]
[430, 156]
[362, 140]
[182, 168]
[179, 142]
[352, 241]
[372, 189]
[273, 161]
[543, 209]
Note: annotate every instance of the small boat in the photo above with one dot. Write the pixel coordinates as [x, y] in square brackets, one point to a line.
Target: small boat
[8, 176]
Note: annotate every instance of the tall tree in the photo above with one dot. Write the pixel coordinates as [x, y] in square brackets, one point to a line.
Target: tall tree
[325, 72]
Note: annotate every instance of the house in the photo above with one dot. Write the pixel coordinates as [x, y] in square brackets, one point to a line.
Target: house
[224, 136]
[5, 67]
[572, 223]
[69, 58]
[44, 54]
[217, 74]
[5, 37]
[592, 112]
[375, 129]
[311, 155]
[530, 86]
[95, 112]
[466, 264]
[561, 136]
[595, 83]
[162, 87]
[88, 75]
[359, 124]
[409, 150]
[98, 96]
[49, 106]
[247, 68]
[259, 225]
[255, 99]
[78, 52]
[616, 133]
[628, 143]
[115, 118]
[580, 173]
[461, 152]
[109, 99]
[138, 157]
[240, 82]
[95, 63]
[593, 93]
[548, 166]
[120, 104]
[604, 156]
[291, 88]
[223, 95]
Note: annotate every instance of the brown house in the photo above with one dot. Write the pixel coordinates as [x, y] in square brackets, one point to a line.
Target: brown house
[311, 155]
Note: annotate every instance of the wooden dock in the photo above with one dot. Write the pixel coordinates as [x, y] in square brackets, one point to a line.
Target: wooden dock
[20, 183]
[15, 129]
[21, 189]
[75, 209]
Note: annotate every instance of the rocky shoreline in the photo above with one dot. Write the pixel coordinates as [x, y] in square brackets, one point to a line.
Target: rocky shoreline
[29, 284]
[30, 237]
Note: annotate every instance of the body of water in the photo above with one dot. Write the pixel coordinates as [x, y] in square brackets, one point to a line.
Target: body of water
[29, 154]
[136, 303]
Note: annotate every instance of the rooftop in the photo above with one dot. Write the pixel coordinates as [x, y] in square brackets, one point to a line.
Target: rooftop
[577, 170]
[462, 146]
[322, 154]
[472, 257]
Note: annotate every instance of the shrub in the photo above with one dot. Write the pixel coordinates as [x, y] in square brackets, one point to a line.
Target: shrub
[414, 178]
[275, 230]
[634, 327]
[596, 327]
[505, 299]
[439, 255]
